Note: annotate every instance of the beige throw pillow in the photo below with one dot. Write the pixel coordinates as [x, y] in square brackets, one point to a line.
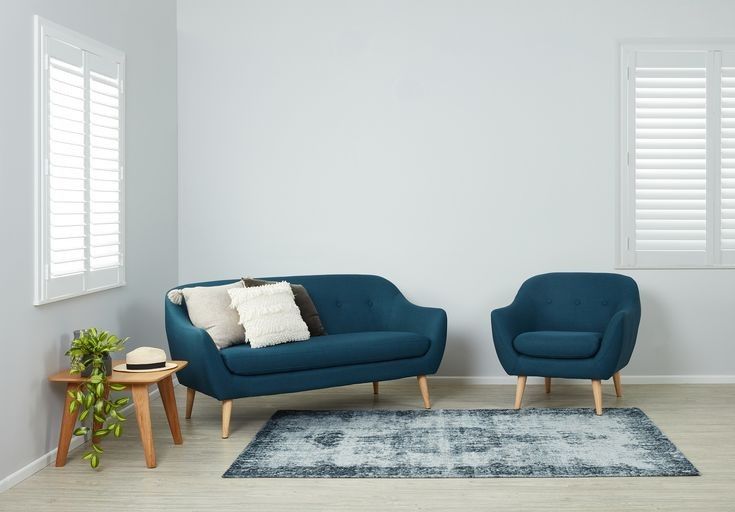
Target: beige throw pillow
[209, 309]
[269, 314]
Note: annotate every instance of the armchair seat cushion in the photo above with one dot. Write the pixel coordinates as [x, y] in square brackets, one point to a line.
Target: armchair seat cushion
[325, 352]
[557, 344]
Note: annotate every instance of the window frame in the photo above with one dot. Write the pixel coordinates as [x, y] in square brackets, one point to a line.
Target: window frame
[44, 28]
[625, 178]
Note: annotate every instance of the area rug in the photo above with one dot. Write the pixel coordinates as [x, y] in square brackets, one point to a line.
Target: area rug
[482, 443]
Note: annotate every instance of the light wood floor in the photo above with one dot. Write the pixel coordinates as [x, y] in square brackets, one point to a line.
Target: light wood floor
[699, 419]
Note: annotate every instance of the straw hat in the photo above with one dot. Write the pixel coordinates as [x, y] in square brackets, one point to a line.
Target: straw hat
[145, 359]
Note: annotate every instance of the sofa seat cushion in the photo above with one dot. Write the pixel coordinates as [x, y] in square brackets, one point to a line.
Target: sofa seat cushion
[325, 352]
[558, 344]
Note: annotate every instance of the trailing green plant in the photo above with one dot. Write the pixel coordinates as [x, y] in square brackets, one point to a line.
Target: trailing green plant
[90, 350]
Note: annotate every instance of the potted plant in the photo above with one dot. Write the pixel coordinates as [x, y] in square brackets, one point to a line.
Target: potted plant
[90, 357]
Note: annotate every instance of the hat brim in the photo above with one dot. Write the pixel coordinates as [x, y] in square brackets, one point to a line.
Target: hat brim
[123, 368]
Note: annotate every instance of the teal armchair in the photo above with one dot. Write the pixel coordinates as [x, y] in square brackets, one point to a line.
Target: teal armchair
[569, 325]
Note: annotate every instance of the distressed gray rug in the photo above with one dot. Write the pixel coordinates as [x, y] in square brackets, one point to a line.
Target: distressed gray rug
[483, 443]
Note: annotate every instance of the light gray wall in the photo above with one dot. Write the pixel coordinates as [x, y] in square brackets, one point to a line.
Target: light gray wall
[456, 148]
[34, 338]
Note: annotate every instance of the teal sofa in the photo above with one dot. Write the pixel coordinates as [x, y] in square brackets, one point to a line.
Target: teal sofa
[373, 333]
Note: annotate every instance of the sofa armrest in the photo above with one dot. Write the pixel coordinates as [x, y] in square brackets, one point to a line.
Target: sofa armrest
[430, 322]
[206, 372]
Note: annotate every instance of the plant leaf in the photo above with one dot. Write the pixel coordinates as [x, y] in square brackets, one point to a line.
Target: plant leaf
[73, 406]
[94, 461]
[87, 456]
[80, 431]
[117, 387]
[97, 448]
[84, 415]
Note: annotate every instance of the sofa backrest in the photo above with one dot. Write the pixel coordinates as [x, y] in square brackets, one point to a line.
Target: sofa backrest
[346, 302]
[576, 301]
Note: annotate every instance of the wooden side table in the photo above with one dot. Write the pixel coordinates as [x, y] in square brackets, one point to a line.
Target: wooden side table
[138, 383]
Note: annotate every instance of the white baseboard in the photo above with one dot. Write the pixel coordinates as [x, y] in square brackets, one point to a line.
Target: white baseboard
[48, 458]
[627, 379]
[37, 465]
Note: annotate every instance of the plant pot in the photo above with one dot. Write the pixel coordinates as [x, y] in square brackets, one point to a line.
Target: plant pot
[108, 366]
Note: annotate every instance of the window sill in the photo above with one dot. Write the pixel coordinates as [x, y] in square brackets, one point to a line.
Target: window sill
[38, 302]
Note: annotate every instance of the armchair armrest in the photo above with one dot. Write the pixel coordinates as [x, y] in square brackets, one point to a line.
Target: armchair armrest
[206, 372]
[431, 322]
[507, 323]
[615, 327]
[618, 340]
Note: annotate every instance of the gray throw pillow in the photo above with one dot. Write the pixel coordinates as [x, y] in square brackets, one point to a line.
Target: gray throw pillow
[209, 309]
[308, 310]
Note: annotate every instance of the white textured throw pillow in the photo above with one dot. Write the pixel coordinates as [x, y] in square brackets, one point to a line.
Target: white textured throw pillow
[209, 309]
[269, 314]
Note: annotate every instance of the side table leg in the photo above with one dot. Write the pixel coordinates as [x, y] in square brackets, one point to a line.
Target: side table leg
[143, 414]
[68, 420]
[166, 387]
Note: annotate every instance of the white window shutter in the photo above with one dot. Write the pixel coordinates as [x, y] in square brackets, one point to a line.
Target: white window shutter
[667, 158]
[105, 172]
[66, 145]
[727, 156]
[79, 186]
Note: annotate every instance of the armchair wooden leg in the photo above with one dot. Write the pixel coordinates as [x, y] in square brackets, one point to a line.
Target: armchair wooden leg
[520, 388]
[597, 394]
[189, 401]
[424, 387]
[376, 386]
[618, 384]
[226, 413]
[547, 383]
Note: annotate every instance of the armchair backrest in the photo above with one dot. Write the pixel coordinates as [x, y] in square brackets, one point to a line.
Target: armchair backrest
[346, 302]
[577, 301]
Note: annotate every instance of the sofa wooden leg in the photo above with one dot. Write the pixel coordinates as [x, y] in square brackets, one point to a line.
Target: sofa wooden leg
[226, 413]
[547, 384]
[424, 387]
[597, 394]
[520, 388]
[618, 384]
[376, 386]
[189, 402]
